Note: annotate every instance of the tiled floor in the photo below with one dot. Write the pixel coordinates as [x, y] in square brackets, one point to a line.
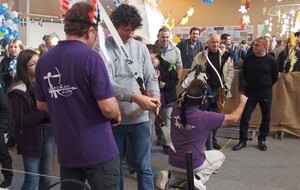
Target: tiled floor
[249, 169]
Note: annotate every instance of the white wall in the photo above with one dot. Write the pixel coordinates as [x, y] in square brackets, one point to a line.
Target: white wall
[36, 32]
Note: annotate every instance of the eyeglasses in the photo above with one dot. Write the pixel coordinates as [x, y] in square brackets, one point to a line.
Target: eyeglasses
[31, 64]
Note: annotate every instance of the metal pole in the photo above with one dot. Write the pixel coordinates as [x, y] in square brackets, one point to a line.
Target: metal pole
[189, 170]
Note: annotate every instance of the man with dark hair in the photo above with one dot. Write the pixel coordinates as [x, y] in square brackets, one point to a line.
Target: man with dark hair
[228, 40]
[72, 84]
[127, 19]
[260, 73]
[190, 48]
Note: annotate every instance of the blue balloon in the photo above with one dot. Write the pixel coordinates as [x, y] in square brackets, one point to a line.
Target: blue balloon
[2, 9]
[6, 16]
[16, 20]
[15, 33]
[9, 30]
[3, 28]
[6, 38]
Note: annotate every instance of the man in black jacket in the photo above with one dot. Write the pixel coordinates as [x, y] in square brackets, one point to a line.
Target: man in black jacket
[260, 73]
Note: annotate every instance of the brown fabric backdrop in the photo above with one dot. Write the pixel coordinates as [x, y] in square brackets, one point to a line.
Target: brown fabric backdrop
[285, 106]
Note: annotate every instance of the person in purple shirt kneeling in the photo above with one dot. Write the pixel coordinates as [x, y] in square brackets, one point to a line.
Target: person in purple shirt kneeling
[190, 127]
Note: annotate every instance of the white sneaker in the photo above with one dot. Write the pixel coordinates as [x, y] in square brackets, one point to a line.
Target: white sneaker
[198, 184]
[162, 180]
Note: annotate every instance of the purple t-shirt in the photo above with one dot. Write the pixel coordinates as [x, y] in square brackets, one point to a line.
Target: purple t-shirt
[199, 124]
[71, 78]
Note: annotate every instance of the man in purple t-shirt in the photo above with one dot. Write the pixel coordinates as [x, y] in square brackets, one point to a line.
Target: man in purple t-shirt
[189, 130]
[73, 85]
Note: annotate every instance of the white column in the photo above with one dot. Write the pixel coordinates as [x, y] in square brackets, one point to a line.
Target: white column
[24, 8]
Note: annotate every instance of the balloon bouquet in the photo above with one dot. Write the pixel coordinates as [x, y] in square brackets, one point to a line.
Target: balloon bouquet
[8, 28]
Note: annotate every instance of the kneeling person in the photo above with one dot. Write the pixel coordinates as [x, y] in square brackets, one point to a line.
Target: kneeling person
[189, 130]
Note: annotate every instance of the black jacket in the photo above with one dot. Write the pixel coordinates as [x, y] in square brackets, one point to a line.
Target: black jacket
[169, 76]
[27, 121]
[5, 72]
[4, 112]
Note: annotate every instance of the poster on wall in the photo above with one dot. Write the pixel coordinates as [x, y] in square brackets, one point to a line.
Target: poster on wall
[236, 32]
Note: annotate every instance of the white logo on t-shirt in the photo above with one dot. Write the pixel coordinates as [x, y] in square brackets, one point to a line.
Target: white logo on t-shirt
[61, 89]
[180, 126]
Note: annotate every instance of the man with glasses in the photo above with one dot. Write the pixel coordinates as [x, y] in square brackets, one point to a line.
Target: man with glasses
[260, 73]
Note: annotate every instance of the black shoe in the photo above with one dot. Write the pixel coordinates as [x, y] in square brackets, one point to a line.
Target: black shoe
[11, 142]
[216, 146]
[262, 145]
[240, 145]
[166, 149]
[5, 184]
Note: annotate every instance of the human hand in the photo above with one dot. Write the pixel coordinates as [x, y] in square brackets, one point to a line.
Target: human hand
[146, 102]
[243, 99]
[116, 121]
[11, 73]
[161, 84]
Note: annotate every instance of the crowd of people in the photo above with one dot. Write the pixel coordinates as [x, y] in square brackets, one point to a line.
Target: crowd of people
[67, 96]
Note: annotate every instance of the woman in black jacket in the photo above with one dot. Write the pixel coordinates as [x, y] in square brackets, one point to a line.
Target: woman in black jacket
[35, 141]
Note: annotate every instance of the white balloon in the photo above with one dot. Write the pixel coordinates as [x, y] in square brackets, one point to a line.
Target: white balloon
[5, 5]
[14, 14]
[9, 23]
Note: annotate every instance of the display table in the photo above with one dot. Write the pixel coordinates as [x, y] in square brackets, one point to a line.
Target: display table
[285, 104]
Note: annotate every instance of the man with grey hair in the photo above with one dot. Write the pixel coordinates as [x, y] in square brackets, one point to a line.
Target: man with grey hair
[215, 62]
[51, 40]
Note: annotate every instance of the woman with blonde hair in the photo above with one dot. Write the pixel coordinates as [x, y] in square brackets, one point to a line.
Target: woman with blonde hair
[8, 71]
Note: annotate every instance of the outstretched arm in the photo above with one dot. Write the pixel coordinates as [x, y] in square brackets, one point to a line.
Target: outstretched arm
[234, 116]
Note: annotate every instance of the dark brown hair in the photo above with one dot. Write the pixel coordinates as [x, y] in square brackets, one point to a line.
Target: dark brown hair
[126, 15]
[22, 69]
[77, 20]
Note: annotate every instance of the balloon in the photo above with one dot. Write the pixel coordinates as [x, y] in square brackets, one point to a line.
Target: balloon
[2, 9]
[9, 23]
[8, 29]
[6, 38]
[15, 33]
[6, 15]
[16, 20]
[14, 14]
[3, 28]
[5, 5]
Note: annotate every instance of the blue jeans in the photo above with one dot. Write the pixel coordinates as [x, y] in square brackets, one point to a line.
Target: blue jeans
[213, 106]
[42, 165]
[140, 142]
[264, 98]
